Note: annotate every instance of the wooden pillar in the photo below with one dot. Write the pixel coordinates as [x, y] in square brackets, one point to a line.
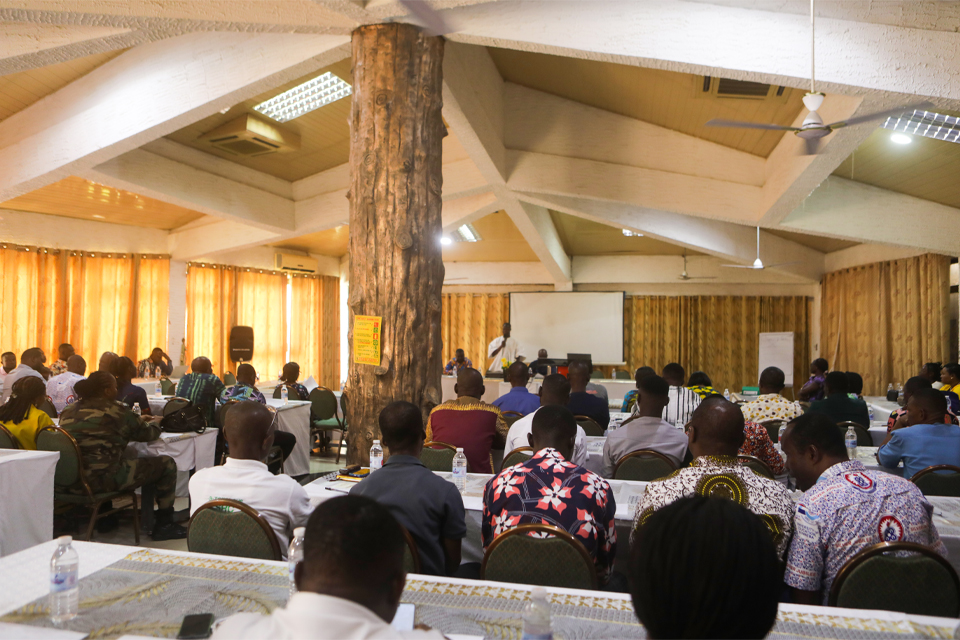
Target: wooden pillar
[396, 270]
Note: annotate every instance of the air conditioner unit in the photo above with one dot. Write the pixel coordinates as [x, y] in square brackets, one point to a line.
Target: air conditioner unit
[251, 136]
[293, 262]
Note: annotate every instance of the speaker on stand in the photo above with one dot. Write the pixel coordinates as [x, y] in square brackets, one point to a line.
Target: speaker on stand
[241, 344]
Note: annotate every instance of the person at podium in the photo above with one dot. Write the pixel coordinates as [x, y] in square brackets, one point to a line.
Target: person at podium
[503, 348]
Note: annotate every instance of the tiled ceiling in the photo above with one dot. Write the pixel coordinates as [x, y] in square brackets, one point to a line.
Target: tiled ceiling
[665, 98]
[581, 237]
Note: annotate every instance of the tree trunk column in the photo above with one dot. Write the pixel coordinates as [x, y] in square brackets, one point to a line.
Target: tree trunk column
[396, 270]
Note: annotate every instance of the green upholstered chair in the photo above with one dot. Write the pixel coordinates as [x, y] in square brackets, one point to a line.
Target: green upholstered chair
[167, 387]
[773, 429]
[759, 466]
[590, 426]
[7, 441]
[231, 528]
[229, 379]
[864, 439]
[411, 556]
[323, 415]
[518, 455]
[622, 375]
[69, 473]
[596, 375]
[884, 577]
[438, 456]
[47, 407]
[511, 416]
[933, 483]
[643, 465]
[345, 434]
[550, 557]
[278, 391]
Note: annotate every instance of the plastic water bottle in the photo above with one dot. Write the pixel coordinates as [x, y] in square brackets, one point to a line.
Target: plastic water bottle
[295, 555]
[850, 439]
[284, 394]
[726, 395]
[64, 590]
[376, 456]
[536, 616]
[783, 428]
[870, 411]
[136, 409]
[900, 400]
[460, 470]
[157, 389]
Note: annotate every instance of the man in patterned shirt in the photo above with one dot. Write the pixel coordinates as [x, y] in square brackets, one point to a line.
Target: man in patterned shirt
[547, 489]
[64, 352]
[770, 405]
[715, 434]
[202, 387]
[845, 509]
[246, 387]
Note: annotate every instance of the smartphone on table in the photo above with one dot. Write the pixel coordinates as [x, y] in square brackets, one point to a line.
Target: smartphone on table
[195, 626]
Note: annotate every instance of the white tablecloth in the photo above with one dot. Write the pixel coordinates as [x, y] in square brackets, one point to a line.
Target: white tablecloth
[149, 384]
[294, 417]
[26, 498]
[191, 451]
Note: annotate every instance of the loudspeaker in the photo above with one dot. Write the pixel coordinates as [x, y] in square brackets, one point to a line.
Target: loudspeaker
[241, 344]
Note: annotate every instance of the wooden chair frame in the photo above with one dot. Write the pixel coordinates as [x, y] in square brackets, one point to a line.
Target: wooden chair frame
[643, 453]
[517, 450]
[589, 420]
[13, 439]
[880, 549]
[557, 532]
[246, 509]
[511, 414]
[412, 545]
[742, 459]
[82, 475]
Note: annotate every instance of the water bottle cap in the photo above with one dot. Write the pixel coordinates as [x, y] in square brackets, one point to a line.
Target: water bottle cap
[299, 532]
[376, 442]
[538, 592]
[62, 540]
[459, 449]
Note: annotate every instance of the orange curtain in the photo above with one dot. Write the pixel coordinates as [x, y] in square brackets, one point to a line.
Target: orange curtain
[315, 328]
[470, 321]
[210, 313]
[31, 304]
[153, 302]
[885, 320]
[262, 304]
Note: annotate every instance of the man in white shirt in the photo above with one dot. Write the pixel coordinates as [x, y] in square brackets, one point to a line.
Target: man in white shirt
[555, 390]
[60, 387]
[683, 401]
[248, 428]
[504, 348]
[349, 582]
[31, 362]
[8, 362]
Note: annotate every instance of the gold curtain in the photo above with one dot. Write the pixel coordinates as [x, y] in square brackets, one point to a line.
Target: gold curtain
[885, 320]
[31, 304]
[210, 313]
[315, 328]
[262, 304]
[470, 321]
[153, 302]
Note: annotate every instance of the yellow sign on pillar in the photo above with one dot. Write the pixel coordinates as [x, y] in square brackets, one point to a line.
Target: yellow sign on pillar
[366, 339]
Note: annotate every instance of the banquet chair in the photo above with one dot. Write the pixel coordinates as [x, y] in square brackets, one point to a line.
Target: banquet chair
[7, 441]
[47, 407]
[518, 455]
[222, 412]
[229, 379]
[883, 577]
[622, 375]
[323, 414]
[932, 483]
[539, 554]
[643, 465]
[69, 472]
[274, 460]
[167, 387]
[411, 556]
[278, 391]
[438, 456]
[511, 416]
[596, 375]
[231, 528]
[864, 439]
[773, 428]
[759, 466]
[590, 426]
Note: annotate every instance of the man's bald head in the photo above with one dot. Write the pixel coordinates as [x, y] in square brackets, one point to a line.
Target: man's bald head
[578, 372]
[76, 364]
[248, 428]
[201, 365]
[469, 383]
[715, 428]
[107, 360]
[518, 374]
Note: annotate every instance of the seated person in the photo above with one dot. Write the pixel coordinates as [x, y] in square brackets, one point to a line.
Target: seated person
[683, 401]
[21, 415]
[950, 378]
[931, 371]
[757, 443]
[519, 398]
[554, 391]
[898, 417]
[770, 405]
[127, 392]
[60, 387]
[837, 405]
[583, 403]
[433, 514]
[630, 399]
[31, 364]
[248, 428]
[598, 389]
[246, 387]
[705, 568]
[9, 362]
[349, 582]
[107, 358]
[460, 361]
[846, 508]
[64, 352]
[469, 422]
[156, 366]
[548, 489]
[813, 389]
[854, 385]
[925, 440]
[102, 428]
[700, 383]
[202, 387]
[538, 367]
[288, 379]
[715, 434]
[646, 429]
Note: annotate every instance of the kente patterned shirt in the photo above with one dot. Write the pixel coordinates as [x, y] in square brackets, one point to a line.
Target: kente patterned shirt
[723, 477]
[757, 443]
[629, 401]
[547, 489]
[472, 424]
[243, 391]
[454, 367]
[848, 509]
[771, 406]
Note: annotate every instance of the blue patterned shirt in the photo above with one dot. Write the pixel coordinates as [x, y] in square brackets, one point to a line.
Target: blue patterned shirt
[241, 391]
[848, 509]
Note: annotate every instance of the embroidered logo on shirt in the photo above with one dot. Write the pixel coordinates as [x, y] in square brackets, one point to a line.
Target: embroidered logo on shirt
[861, 481]
[890, 529]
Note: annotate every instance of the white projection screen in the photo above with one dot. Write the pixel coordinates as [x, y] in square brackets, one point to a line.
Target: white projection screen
[570, 322]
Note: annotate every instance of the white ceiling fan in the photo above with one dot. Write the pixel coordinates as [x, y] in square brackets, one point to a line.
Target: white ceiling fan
[758, 263]
[683, 274]
[813, 129]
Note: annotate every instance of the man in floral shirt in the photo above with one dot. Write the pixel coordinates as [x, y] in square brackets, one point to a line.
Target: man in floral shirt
[770, 405]
[546, 489]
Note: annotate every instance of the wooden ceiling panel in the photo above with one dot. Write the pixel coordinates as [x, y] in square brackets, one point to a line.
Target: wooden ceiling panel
[582, 237]
[501, 241]
[332, 242]
[75, 197]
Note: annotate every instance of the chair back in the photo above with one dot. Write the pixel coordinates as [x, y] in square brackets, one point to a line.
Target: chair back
[274, 460]
[539, 554]
[229, 379]
[231, 528]
[773, 429]
[69, 470]
[590, 426]
[168, 387]
[323, 404]
[884, 577]
[7, 441]
[343, 406]
[622, 375]
[864, 439]
[222, 412]
[643, 465]
[759, 466]
[518, 455]
[175, 404]
[932, 483]
[47, 407]
[411, 556]
[438, 456]
[511, 416]
[277, 392]
[596, 375]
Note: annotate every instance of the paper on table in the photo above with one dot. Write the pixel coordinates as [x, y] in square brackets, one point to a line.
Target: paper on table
[310, 384]
[26, 632]
[403, 620]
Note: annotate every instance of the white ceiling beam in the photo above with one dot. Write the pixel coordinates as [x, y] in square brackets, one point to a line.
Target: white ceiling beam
[536, 226]
[214, 238]
[461, 211]
[145, 93]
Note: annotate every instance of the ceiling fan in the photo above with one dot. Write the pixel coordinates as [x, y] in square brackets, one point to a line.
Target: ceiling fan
[683, 274]
[758, 263]
[813, 128]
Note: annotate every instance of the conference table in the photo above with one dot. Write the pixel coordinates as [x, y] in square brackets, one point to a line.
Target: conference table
[147, 592]
[190, 451]
[26, 505]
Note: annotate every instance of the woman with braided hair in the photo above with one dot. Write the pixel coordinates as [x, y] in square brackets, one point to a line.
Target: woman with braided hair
[21, 415]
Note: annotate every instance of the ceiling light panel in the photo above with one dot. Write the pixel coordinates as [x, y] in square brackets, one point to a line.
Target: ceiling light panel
[466, 233]
[305, 97]
[928, 124]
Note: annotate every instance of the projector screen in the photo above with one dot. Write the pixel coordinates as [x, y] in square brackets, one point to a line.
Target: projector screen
[569, 322]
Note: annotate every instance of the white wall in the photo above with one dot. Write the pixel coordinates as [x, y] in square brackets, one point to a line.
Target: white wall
[58, 232]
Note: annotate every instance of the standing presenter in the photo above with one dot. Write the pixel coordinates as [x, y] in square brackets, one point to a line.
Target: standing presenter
[503, 348]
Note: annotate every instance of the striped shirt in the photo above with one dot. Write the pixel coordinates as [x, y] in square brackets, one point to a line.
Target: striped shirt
[680, 407]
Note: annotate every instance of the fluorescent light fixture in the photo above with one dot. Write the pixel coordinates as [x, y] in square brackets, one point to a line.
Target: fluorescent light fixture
[444, 240]
[305, 97]
[632, 234]
[901, 138]
[928, 124]
[465, 233]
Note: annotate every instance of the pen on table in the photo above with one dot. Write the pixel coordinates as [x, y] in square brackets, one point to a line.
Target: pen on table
[336, 489]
